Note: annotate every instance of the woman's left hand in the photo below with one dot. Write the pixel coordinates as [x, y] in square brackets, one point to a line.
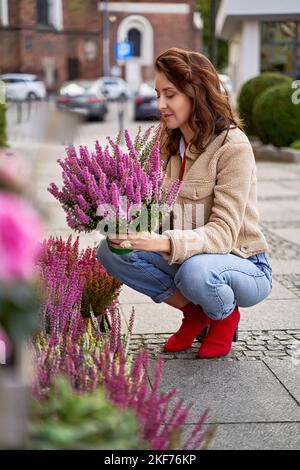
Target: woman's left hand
[143, 241]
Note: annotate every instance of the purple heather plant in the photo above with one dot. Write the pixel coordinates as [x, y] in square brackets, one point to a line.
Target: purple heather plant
[70, 344]
[89, 359]
[72, 280]
[104, 188]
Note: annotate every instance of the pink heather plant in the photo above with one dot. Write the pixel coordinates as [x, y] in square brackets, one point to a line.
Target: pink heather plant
[114, 186]
[73, 281]
[89, 359]
[20, 229]
[69, 344]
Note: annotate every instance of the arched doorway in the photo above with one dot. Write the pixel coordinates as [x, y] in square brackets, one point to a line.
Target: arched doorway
[138, 30]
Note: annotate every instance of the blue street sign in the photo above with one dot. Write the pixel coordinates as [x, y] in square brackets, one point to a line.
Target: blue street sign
[123, 50]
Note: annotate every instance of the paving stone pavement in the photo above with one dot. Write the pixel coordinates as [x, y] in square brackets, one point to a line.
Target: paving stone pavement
[251, 345]
[253, 393]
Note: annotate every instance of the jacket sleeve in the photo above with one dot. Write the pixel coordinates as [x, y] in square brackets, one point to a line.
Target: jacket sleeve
[235, 167]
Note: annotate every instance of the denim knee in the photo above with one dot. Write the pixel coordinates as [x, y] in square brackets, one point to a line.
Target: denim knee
[103, 252]
[106, 257]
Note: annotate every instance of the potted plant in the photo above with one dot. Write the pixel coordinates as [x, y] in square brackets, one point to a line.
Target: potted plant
[116, 191]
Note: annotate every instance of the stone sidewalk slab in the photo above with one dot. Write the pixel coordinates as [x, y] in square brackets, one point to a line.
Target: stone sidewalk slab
[269, 189]
[277, 210]
[281, 266]
[289, 234]
[234, 392]
[254, 436]
[152, 318]
[279, 292]
[271, 315]
[131, 296]
[268, 315]
[267, 171]
[288, 373]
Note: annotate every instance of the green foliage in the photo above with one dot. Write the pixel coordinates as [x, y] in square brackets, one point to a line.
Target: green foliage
[81, 421]
[277, 119]
[18, 309]
[251, 90]
[296, 144]
[204, 7]
[3, 131]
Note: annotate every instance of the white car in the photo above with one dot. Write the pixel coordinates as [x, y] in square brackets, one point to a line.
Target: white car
[114, 88]
[21, 86]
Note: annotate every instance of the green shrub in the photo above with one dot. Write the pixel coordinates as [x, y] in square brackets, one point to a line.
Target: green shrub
[251, 90]
[277, 119]
[296, 145]
[3, 132]
[81, 421]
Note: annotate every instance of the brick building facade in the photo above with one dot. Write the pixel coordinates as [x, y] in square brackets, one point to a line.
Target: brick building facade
[154, 26]
[62, 39]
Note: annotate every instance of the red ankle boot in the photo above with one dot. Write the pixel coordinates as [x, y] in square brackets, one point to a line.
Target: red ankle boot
[194, 321]
[219, 339]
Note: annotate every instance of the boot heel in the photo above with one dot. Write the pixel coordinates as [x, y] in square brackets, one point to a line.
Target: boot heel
[236, 335]
[202, 334]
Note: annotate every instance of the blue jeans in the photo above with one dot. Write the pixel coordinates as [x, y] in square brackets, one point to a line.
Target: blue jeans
[217, 282]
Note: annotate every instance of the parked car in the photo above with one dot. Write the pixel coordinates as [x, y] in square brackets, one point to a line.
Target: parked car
[114, 88]
[21, 87]
[84, 97]
[145, 103]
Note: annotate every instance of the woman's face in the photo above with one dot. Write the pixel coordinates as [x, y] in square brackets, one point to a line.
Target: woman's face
[174, 105]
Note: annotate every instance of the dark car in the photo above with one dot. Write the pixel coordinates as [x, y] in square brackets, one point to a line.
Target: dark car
[84, 97]
[145, 104]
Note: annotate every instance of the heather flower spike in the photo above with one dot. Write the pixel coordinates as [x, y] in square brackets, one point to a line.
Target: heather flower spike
[94, 181]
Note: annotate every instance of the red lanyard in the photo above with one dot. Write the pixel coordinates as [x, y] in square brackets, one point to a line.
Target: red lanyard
[183, 164]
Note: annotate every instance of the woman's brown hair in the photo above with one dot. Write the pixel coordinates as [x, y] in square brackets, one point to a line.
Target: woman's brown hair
[194, 75]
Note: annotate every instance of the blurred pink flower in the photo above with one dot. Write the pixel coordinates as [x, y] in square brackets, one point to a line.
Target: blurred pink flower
[20, 230]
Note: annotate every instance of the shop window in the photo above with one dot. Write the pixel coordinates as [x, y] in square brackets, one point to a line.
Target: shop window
[280, 48]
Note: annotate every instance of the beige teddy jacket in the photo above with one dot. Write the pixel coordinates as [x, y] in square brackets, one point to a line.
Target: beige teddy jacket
[216, 210]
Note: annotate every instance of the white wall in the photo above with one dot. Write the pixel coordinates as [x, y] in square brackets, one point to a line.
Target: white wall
[250, 52]
[56, 14]
[4, 12]
[244, 55]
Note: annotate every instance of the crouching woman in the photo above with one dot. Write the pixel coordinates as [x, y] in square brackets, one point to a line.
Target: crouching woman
[220, 262]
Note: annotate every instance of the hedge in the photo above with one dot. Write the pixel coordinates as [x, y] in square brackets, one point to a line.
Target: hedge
[276, 117]
[251, 90]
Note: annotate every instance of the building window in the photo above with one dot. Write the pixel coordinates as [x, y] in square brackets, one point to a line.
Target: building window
[90, 49]
[28, 43]
[134, 36]
[280, 48]
[43, 12]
